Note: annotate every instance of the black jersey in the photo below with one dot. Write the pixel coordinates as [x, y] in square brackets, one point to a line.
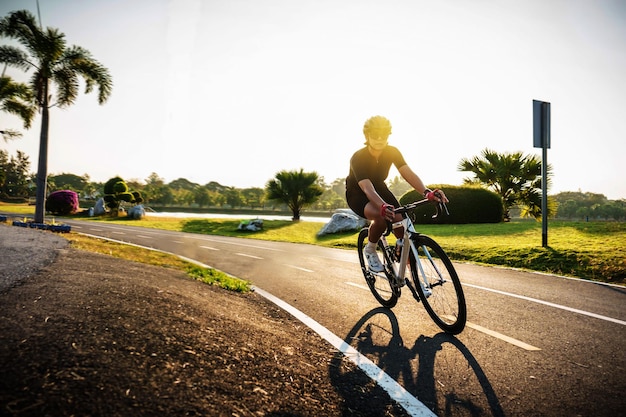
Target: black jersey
[363, 165]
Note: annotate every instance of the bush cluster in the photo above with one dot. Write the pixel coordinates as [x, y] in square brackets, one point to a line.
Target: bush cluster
[62, 202]
[467, 205]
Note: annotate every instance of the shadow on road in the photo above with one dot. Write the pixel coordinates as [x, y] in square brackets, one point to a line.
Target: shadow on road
[440, 371]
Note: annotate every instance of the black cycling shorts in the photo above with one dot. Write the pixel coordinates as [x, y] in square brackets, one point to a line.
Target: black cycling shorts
[357, 200]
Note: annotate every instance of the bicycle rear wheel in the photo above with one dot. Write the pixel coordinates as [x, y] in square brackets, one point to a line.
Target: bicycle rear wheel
[440, 290]
[379, 282]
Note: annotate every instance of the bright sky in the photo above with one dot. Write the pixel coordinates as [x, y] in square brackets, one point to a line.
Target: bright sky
[234, 91]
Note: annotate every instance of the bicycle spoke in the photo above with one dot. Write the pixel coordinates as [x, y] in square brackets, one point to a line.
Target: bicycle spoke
[440, 289]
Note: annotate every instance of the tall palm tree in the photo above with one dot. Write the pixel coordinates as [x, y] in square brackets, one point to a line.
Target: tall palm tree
[16, 98]
[514, 176]
[296, 189]
[55, 67]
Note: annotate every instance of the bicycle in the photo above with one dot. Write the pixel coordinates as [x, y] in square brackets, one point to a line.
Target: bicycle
[420, 264]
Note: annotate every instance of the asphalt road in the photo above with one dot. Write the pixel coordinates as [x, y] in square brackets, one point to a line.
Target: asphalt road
[535, 345]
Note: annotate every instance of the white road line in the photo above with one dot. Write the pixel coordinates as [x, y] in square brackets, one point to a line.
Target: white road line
[248, 256]
[299, 268]
[144, 237]
[237, 244]
[411, 404]
[363, 287]
[482, 329]
[549, 304]
[208, 247]
[119, 233]
[178, 241]
[503, 337]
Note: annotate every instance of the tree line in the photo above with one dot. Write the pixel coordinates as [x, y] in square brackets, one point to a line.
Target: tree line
[18, 184]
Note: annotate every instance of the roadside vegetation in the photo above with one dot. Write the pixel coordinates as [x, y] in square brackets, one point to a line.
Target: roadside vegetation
[152, 257]
[589, 250]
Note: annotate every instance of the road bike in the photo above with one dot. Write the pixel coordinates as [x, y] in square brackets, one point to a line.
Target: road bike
[421, 265]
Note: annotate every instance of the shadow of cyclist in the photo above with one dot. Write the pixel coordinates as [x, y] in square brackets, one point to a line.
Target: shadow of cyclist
[377, 335]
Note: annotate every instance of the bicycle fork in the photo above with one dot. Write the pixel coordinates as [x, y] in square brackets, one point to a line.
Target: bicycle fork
[420, 273]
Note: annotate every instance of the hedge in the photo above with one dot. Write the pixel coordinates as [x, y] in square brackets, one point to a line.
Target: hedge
[468, 204]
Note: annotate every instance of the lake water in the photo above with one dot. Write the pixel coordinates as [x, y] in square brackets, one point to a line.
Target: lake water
[235, 216]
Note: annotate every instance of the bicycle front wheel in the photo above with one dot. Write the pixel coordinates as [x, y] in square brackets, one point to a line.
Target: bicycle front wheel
[438, 285]
[379, 282]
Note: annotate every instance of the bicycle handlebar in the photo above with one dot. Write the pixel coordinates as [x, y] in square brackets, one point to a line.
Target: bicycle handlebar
[441, 207]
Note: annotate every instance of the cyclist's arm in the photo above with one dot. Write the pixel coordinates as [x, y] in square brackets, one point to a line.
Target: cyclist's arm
[412, 178]
[415, 181]
[369, 190]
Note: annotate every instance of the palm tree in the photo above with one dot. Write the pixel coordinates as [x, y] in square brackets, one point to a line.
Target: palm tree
[55, 66]
[514, 176]
[296, 189]
[16, 98]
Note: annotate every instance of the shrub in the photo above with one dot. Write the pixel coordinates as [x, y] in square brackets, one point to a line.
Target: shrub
[468, 204]
[62, 202]
[116, 191]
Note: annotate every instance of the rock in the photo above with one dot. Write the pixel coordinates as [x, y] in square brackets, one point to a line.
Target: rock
[343, 220]
[99, 208]
[251, 225]
[137, 212]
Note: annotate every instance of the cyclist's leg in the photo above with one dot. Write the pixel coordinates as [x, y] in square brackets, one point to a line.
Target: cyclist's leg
[378, 282]
[372, 213]
[378, 225]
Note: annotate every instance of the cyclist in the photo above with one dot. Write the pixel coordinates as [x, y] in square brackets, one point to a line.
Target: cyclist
[366, 192]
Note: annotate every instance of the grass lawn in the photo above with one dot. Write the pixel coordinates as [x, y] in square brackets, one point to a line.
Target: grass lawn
[590, 250]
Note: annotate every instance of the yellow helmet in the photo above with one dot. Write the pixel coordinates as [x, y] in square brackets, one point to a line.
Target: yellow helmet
[379, 123]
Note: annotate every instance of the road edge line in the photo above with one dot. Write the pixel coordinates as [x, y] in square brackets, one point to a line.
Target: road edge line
[405, 399]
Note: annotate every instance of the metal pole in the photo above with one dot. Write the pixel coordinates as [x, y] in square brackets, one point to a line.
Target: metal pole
[545, 115]
[544, 197]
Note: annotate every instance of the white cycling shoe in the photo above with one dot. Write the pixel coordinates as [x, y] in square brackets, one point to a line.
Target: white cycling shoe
[373, 261]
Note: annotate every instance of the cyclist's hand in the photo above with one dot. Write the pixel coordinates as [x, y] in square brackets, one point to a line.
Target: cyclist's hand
[387, 212]
[437, 195]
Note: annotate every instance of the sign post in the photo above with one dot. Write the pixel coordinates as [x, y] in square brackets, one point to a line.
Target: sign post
[541, 139]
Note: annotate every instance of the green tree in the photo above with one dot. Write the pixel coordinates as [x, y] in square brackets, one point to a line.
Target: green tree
[183, 184]
[296, 189]
[17, 99]
[202, 196]
[55, 67]
[254, 197]
[514, 176]
[330, 200]
[14, 178]
[339, 186]
[398, 185]
[232, 196]
[67, 181]
[153, 190]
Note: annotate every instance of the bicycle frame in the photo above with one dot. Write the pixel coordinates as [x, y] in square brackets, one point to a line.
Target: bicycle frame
[409, 231]
[408, 246]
